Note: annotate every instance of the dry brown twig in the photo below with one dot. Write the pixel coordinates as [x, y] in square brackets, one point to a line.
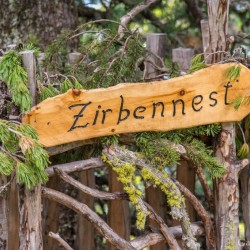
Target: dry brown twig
[126, 19]
[62, 242]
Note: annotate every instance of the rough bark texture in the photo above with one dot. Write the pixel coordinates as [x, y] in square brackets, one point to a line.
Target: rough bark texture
[217, 20]
[50, 216]
[226, 189]
[40, 19]
[156, 43]
[245, 197]
[3, 215]
[86, 231]
[118, 216]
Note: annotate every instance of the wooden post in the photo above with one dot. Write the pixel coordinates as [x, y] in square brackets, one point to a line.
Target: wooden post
[183, 57]
[118, 215]
[3, 215]
[184, 172]
[30, 217]
[156, 43]
[245, 201]
[86, 231]
[226, 189]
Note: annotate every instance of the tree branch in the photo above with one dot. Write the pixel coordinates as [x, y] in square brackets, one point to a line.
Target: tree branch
[126, 19]
[207, 191]
[100, 225]
[58, 238]
[153, 238]
[90, 191]
[76, 166]
[208, 225]
[163, 228]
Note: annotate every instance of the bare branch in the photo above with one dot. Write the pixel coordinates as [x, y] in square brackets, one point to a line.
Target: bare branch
[163, 228]
[154, 238]
[90, 191]
[207, 191]
[126, 19]
[58, 238]
[76, 166]
[100, 225]
[208, 225]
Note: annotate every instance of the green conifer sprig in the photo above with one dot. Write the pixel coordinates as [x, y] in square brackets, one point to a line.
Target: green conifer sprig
[202, 156]
[233, 72]
[197, 63]
[15, 76]
[21, 151]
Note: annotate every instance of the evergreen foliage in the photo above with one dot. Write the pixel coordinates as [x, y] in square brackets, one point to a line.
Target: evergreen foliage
[14, 75]
[197, 63]
[21, 151]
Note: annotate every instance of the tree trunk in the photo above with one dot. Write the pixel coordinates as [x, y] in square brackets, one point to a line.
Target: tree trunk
[40, 20]
[226, 189]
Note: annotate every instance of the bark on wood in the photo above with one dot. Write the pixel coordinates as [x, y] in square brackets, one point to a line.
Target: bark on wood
[85, 232]
[41, 20]
[163, 228]
[30, 217]
[13, 211]
[118, 215]
[208, 225]
[226, 189]
[60, 240]
[100, 225]
[126, 19]
[153, 238]
[245, 201]
[156, 44]
[183, 57]
[76, 166]
[218, 12]
[3, 215]
[51, 216]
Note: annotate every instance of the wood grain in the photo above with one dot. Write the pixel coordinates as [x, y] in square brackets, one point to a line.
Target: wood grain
[188, 101]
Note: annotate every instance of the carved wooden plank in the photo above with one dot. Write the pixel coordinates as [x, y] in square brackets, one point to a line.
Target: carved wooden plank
[200, 98]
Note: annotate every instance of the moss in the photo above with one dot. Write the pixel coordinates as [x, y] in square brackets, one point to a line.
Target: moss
[173, 199]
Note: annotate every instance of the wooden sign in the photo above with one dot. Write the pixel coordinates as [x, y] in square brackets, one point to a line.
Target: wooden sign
[200, 98]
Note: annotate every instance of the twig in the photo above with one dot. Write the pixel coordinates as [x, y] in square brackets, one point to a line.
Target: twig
[208, 225]
[90, 191]
[58, 238]
[76, 166]
[126, 19]
[163, 228]
[207, 191]
[100, 225]
[153, 238]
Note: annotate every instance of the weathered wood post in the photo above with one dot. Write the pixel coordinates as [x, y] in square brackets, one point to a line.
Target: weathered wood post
[185, 173]
[3, 214]
[118, 213]
[156, 43]
[226, 189]
[31, 209]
